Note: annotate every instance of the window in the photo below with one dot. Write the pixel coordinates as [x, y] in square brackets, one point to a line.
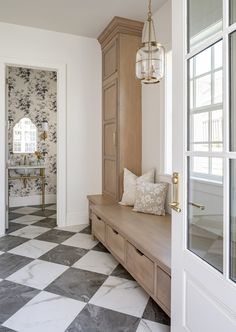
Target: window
[206, 111]
[24, 137]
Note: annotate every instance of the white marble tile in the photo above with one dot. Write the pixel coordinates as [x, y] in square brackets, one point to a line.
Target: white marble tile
[30, 232]
[45, 312]
[27, 219]
[38, 274]
[75, 228]
[81, 240]
[149, 326]
[121, 295]
[97, 261]
[33, 248]
[54, 216]
[26, 210]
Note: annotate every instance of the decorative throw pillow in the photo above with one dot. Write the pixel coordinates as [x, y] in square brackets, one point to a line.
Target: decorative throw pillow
[130, 182]
[150, 198]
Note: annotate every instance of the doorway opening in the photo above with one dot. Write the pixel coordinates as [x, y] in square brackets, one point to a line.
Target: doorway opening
[31, 148]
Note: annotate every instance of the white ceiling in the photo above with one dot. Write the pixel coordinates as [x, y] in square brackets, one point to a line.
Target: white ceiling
[80, 17]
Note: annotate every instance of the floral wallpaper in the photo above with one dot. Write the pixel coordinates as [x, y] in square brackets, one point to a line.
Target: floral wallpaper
[33, 94]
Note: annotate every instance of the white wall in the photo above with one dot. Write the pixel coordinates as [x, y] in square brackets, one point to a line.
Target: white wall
[82, 57]
[153, 107]
[153, 100]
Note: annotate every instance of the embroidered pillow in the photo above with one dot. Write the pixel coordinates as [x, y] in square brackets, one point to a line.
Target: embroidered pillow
[150, 198]
[130, 182]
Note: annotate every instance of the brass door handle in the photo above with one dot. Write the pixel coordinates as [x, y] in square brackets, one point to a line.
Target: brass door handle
[175, 204]
[114, 138]
[199, 206]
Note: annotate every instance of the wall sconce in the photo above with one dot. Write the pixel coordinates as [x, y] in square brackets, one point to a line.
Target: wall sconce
[44, 134]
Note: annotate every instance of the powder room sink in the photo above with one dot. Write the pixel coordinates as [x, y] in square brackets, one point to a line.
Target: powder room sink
[25, 170]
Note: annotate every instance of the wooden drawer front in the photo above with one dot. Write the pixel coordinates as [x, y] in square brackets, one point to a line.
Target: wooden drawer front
[116, 243]
[163, 288]
[109, 178]
[110, 101]
[98, 227]
[110, 60]
[141, 266]
[110, 139]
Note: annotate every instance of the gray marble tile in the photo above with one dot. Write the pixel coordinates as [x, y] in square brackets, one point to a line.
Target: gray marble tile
[56, 236]
[121, 272]
[13, 215]
[9, 242]
[26, 210]
[14, 227]
[154, 313]
[86, 230]
[45, 213]
[47, 222]
[77, 284]
[13, 297]
[10, 263]
[100, 247]
[5, 329]
[97, 319]
[64, 255]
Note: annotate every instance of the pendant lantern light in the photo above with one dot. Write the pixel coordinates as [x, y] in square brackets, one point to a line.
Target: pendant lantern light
[150, 58]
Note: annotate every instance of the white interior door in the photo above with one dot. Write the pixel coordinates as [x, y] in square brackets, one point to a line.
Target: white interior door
[204, 155]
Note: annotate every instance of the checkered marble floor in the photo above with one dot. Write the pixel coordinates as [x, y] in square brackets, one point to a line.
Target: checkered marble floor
[56, 280]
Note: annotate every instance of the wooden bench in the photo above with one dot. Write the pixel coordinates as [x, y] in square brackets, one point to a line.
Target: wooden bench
[140, 242]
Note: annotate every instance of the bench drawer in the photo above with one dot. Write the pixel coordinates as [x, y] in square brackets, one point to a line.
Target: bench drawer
[98, 227]
[163, 287]
[141, 267]
[116, 243]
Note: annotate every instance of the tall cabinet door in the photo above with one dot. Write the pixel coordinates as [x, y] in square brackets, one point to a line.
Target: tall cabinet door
[110, 103]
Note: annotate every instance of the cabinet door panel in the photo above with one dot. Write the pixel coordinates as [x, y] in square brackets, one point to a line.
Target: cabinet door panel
[110, 60]
[110, 101]
[110, 139]
[109, 178]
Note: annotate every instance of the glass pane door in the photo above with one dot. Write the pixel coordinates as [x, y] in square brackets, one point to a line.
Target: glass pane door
[211, 147]
[233, 148]
[204, 20]
[232, 11]
[206, 146]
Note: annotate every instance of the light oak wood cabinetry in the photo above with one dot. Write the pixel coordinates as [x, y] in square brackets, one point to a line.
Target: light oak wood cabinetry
[116, 243]
[140, 242]
[121, 103]
[141, 266]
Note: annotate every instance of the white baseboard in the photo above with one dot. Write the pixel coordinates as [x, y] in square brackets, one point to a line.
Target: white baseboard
[31, 200]
[77, 218]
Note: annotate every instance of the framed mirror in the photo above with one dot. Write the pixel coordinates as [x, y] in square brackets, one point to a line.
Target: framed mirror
[24, 136]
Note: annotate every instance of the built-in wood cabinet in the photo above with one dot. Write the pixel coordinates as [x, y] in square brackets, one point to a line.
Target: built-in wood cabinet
[122, 125]
[140, 242]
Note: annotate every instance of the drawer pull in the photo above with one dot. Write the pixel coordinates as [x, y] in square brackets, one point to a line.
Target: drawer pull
[139, 252]
[114, 231]
[99, 218]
